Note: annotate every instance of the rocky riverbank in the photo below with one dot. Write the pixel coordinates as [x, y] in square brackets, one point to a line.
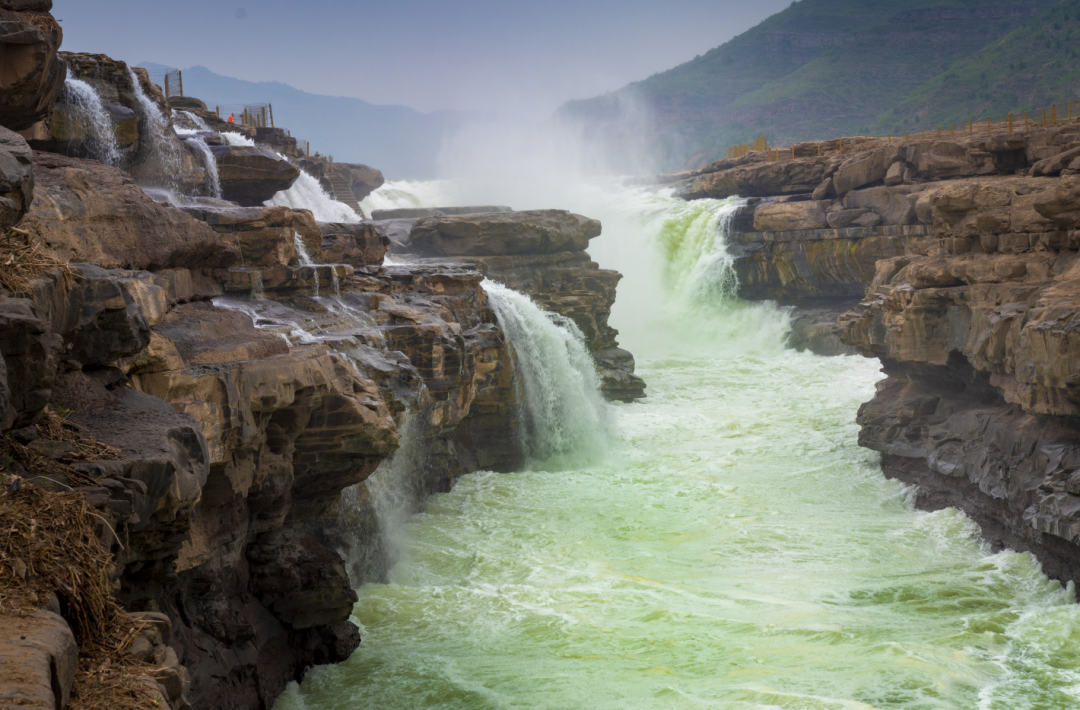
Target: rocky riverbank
[243, 370]
[963, 254]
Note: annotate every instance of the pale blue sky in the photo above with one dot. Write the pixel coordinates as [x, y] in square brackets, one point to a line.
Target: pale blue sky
[428, 54]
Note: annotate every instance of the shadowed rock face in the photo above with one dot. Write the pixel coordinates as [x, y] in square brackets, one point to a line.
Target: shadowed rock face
[33, 76]
[964, 252]
[251, 176]
[541, 253]
[16, 178]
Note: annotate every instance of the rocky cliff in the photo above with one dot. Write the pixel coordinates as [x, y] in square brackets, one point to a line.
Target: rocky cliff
[962, 255]
[242, 372]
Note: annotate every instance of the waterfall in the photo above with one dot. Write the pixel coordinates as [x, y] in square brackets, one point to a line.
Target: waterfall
[305, 260]
[237, 140]
[199, 123]
[156, 126]
[307, 194]
[693, 241]
[213, 182]
[562, 418]
[88, 113]
[398, 194]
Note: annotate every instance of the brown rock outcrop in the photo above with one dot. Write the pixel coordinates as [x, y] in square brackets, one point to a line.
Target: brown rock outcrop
[16, 178]
[251, 176]
[496, 234]
[88, 212]
[33, 76]
[353, 244]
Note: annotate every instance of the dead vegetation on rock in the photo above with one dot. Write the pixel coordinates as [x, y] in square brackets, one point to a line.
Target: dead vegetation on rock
[22, 257]
[51, 557]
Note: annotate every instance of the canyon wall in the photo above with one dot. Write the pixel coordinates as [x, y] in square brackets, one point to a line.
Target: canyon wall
[961, 257]
[240, 393]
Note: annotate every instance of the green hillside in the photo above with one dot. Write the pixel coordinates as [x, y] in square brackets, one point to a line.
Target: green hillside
[818, 68]
[1034, 66]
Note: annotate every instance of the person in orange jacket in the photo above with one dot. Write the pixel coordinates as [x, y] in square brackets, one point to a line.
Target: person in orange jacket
[230, 119]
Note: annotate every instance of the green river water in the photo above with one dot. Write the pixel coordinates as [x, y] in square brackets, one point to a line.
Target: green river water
[735, 548]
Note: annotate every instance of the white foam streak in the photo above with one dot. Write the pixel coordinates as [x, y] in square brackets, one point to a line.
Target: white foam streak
[307, 194]
[562, 418]
[213, 182]
[89, 113]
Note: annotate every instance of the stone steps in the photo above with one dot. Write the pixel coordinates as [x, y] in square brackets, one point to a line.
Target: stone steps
[343, 192]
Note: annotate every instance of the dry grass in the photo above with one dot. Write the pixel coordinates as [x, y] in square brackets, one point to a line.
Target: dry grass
[22, 258]
[55, 428]
[49, 545]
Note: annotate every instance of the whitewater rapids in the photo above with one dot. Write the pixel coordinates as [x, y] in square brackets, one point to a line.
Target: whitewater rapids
[733, 548]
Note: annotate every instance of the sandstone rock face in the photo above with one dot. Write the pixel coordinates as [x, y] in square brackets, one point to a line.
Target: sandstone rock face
[353, 244]
[498, 234]
[977, 341]
[264, 236]
[790, 216]
[760, 179]
[38, 660]
[363, 179]
[251, 176]
[16, 178]
[33, 75]
[88, 212]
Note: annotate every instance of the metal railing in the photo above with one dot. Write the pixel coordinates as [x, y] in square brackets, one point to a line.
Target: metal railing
[257, 115]
[171, 82]
[1020, 120]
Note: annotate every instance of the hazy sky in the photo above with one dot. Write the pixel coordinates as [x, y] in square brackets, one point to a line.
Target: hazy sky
[477, 54]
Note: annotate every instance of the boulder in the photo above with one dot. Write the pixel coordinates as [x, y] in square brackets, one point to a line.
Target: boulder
[38, 660]
[363, 179]
[252, 175]
[864, 170]
[503, 233]
[33, 76]
[266, 236]
[1061, 204]
[894, 204]
[789, 216]
[825, 189]
[84, 211]
[353, 244]
[16, 178]
[26, 348]
[1057, 163]
[847, 218]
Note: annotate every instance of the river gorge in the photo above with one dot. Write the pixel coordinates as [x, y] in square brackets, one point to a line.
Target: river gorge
[734, 547]
[789, 429]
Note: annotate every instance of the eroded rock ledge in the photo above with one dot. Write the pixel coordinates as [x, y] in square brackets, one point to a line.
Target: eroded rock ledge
[964, 254]
[244, 407]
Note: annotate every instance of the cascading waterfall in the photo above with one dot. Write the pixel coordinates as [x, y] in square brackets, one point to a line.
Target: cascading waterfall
[213, 181]
[197, 120]
[89, 114]
[235, 139]
[307, 194]
[735, 548]
[562, 418]
[305, 260]
[400, 194]
[156, 127]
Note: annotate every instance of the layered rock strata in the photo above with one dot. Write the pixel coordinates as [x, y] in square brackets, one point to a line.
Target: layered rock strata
[243, 406]
[540, 253]
[964, 253]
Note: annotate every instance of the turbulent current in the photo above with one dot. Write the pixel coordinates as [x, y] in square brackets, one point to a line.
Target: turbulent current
[733, 546]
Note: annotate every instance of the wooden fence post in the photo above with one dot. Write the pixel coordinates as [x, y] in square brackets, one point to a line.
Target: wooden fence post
[166, 86]
[939, 132]
[180, 76]
[971, 129]
[954, 130]
[1053, 113]
[1025, 121]
[1010, 122]
[905, 137]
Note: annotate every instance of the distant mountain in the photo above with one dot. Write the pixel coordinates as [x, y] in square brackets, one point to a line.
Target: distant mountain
[819, 68]
[1035, 65]
[398, 140]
